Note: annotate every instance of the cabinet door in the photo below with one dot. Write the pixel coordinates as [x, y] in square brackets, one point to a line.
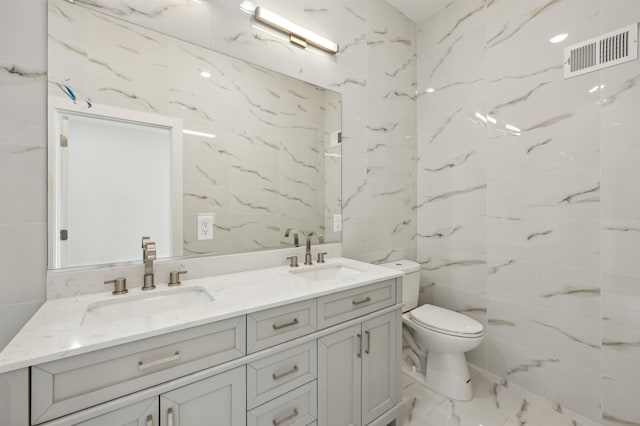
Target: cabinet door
[339, 378]
[379, 361]
[143, 413]
[219, 400]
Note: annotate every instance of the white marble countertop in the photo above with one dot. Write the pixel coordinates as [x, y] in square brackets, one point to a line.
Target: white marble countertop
[56, 330]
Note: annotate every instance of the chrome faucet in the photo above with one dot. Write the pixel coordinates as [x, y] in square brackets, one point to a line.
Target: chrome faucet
[307, 255]
[148, 256]
[296, 242]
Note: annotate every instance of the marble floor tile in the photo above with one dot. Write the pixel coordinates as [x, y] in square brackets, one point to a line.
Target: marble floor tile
[496, 402]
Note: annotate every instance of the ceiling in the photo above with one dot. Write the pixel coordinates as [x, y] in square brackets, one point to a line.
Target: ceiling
[418, 10]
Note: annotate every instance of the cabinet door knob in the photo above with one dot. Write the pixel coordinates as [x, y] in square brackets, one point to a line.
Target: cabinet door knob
[359, 353]
[366, 351]
[149, 420]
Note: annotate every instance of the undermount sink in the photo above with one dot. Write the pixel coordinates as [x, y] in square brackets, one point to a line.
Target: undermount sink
[327, 272]
[145, 305]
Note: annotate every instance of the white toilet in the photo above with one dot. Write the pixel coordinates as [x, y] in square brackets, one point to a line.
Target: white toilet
[445, 334]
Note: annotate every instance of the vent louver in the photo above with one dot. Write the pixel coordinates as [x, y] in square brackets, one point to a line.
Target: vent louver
[601, 52]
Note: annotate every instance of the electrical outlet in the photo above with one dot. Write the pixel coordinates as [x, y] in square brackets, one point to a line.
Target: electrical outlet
[205, 226]
[337, 223]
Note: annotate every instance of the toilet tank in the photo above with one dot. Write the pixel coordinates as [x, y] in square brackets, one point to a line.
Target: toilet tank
[410, 281]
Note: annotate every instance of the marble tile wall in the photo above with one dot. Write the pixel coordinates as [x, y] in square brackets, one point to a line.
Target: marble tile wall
[375, 73]
[23, 185]
[264, 170]
[527, 206]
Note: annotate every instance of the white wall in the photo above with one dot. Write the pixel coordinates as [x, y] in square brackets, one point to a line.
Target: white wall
[534, 232]
[375, 72]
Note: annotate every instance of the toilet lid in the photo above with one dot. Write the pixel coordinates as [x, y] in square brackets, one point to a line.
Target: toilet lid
[445, 320]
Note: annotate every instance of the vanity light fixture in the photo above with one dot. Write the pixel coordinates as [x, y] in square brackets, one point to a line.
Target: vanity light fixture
[297, 35]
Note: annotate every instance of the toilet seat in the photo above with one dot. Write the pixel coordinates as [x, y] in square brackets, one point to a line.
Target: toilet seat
[445, 321]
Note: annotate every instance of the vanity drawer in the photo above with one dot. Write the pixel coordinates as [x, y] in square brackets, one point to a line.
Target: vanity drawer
[277, 374]
[339, 307]
[71, 384]
[296, 408]
[274, 326]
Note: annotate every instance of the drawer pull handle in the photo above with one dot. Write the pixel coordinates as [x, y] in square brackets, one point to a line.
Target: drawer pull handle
[361, 301]
[170, 419]
[286, 373]
[144, 366]
[286, 419]
[149, 420]
[359, 353]
[287, 324]
[366, 351]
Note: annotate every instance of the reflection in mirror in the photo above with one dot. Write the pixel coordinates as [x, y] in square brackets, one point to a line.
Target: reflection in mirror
[108, 163]
[166, 138]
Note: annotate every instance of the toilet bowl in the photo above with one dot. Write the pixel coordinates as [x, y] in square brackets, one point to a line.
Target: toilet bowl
[445, 335]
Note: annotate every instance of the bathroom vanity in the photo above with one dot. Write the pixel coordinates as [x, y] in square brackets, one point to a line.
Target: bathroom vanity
[314, 345]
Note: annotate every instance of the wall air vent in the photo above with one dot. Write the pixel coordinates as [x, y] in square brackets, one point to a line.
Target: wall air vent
[601, 52]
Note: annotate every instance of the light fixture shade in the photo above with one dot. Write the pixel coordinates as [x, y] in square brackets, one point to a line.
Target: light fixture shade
[294, 31]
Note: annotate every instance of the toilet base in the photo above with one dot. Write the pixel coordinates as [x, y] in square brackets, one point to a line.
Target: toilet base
[449, 375]
[462, 392]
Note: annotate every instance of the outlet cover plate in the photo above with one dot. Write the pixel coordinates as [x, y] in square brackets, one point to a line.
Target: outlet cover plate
[337, 223]
[205, 226]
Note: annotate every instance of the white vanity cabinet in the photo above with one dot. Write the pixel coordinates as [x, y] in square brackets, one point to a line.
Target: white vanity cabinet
[219, 400]
[357, 372]
[220, 397]
[143, 413]
[380, 361]
[71, 384]
[326, 361]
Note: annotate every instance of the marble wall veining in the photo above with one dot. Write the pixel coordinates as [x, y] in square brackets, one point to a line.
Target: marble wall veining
[374, 72]
[527, 201]
[263, 170]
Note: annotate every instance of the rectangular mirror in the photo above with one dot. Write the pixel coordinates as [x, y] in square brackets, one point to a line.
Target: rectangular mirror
[202, 152]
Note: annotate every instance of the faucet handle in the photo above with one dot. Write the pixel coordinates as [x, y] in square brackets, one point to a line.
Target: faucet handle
[294, 261]
[145, 240]
[120, 286]
[174, 278]
[321, 257]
